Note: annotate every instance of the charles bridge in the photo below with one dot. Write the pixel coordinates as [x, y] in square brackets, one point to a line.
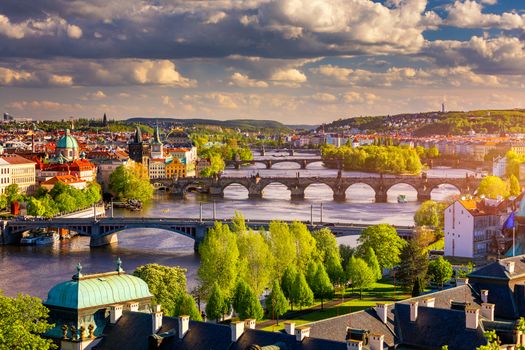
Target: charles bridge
[297, 185]
[103, 231]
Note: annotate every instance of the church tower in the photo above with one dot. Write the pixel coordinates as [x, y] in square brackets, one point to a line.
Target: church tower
[157, 150]
[136, 147]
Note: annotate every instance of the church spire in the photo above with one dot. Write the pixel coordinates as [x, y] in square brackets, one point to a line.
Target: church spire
[156, 135]
[138, 135]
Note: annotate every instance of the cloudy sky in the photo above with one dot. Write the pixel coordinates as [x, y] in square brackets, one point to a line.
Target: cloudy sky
[296, 61]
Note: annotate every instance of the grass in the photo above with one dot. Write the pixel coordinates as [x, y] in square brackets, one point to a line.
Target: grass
[382, 291]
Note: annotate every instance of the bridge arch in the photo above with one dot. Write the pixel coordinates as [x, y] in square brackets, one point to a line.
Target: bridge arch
[360, 192]
[273, 188]
[444, 190]
[319, 162]
[318, 191]
[278, 164]
[236, 192]
[402, 188]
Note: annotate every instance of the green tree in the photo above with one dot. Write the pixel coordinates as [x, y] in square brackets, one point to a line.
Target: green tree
[256, 261]
[322, 287]
[287, 282]
[417, 290]
[433, 152]
[65, 202]
[302, 295]
[440, 271]
[360, 275]
[311, 273]
[131, 182]
[371, 260]
[492, 187]
[305, 244]
[219, 259]
[514, 186]
[22, 320]
[346, 252]
[217, 304]
[245, 302]
[166, 284]
[334, 268]
[12, 193]
[276, 303]
[185, 305]
[238, 224]
[430, 213]
[493, 342]
[282, 246]
[385, 242]
[413, 265]
[328, 252]
[35, 207]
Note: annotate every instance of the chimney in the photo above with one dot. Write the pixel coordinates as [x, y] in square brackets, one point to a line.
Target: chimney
[484, 295]
[249, 323]
[289, 327]
[354, 344]
[509, 265]
[429, 302]
[471, 317]
[301, 333]
[376, 341]
[413, 311]
[487, 311]
[115, 312]
[156, 322]
[237, 329]
[382, 311]
[184, 325]
[461, 281]
[133, 306]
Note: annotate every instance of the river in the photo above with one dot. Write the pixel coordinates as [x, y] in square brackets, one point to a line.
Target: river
[34, 270]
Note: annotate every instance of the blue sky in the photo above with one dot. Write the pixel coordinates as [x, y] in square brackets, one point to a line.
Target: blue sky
[296, 61]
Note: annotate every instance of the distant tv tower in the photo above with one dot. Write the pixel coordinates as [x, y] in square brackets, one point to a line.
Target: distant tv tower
[443, 107]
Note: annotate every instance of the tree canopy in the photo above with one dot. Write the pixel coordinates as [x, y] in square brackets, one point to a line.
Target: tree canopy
[359, 274]
[430, 213]
[440, 271]
[385, 242]
[217, 305]
[166, 284]
[22, 320]
[492, 187]
[276, 303]
[131, 181]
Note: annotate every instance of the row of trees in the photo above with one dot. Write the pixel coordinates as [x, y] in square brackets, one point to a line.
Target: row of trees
[62, 199]
[382, 159]
[494, 187]
[230, 149]
[238, 264]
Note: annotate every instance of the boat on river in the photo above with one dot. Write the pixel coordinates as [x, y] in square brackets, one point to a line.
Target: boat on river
[41, 239]
[402, 198]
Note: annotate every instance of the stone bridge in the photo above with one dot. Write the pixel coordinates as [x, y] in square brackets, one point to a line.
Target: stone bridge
[290, 151]
[297, 185]
[303, 162]
[103, 231]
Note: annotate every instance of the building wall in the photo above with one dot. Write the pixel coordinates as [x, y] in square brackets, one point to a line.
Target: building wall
[459, 231]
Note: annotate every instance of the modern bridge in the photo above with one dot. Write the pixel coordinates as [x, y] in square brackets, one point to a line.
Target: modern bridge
[103, 231]
[297, 185]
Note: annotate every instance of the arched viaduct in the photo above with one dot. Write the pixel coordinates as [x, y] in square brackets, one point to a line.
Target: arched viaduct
[297, 185]
[303, 162]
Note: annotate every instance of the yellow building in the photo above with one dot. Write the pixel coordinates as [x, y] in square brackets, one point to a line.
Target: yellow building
[175, 168]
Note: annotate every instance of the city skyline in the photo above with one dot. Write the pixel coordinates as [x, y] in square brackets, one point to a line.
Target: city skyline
[299, 62]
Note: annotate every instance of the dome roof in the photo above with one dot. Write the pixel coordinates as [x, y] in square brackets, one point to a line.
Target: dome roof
[97, 290]
[67, 141]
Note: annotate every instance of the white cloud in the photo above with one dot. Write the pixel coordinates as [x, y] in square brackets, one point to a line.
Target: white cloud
[468, 14]
[324, 97]
[96, 95]
[50, 26]
[243, 80]
[290, 77]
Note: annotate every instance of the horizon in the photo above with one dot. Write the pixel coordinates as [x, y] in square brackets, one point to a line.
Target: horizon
[294, 61]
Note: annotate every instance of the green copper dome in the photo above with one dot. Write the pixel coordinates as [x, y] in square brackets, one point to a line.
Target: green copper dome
[67, 141]
[97, 290]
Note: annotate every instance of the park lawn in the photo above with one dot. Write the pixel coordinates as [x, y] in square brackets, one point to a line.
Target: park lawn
[381, 291]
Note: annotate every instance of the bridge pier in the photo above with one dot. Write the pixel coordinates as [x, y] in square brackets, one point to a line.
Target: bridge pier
[100, 241]
[216, 191]
[304, 164]
[269, 164]
[421, 197]
[297, 192]
[263, 152]
[340, 196]
[381, 197]
[237, 165]
[291, 152]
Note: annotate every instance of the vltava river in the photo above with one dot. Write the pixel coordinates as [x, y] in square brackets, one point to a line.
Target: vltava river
[34, 270]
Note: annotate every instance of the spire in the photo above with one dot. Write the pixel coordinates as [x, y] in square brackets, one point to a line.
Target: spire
[105, 120]
[156, 135]
[138, 135]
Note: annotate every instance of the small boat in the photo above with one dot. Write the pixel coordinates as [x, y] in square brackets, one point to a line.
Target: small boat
[48, 238]
[29, 240]
[402, 198]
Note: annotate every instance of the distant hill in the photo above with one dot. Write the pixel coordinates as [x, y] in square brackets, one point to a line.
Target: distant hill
[436, 123]
[243, 124]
